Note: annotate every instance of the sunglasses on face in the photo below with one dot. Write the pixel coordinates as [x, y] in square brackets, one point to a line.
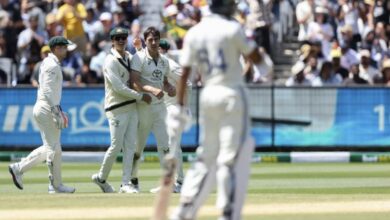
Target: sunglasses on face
[120, 38]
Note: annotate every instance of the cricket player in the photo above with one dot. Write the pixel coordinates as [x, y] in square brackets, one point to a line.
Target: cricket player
[215, 45]
[171, 102]
[152, 69]
[50, 118]
[121, 111]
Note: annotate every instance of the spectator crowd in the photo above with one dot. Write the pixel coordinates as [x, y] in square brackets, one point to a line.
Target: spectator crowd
[343, 42]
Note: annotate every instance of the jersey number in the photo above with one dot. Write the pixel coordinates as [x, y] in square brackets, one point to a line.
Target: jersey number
[218, 63]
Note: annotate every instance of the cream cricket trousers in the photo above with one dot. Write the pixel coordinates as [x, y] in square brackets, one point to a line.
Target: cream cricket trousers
[175, 149]
[123, 132]
[151, 119]
[224, 155]
[50, 150]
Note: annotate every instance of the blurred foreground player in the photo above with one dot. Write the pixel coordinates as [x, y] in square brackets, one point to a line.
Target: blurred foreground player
[215, 46]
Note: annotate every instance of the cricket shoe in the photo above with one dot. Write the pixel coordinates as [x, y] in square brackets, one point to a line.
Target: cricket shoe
[183, 212]
[17, 176]
[176, 188]
[61, 189]
[104, 185]
[127, 188]
[134, 186]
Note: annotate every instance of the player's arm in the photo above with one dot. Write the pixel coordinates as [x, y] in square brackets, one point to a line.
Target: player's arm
[48, 84]
[117, 85]
[48, 88]
[169, 88]
[136, 83]
[182, 85]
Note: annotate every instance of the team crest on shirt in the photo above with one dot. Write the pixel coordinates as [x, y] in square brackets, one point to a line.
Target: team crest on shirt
[157, 75]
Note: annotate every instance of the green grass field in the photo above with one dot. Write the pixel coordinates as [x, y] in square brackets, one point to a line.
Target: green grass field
[276, 191]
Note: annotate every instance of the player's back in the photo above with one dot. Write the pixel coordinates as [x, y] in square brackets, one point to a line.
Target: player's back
[215, 45]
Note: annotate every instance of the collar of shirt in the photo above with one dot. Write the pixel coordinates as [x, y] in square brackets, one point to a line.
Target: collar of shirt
[117, 55]
[150, 57]
[52, 56]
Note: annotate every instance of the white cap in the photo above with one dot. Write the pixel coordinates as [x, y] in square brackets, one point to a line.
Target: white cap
[321, 10]
[105, 16]
[171, 10]
[365, 53]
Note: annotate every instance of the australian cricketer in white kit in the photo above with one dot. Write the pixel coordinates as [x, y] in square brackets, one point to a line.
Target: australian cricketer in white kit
[215, 45]
[171, 102]
[152, 69]
[50, 118]
[121, 111]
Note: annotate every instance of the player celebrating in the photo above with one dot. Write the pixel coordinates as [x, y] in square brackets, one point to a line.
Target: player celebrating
[152, 70]
[170, 102]
[50, 118]
[215, 45]
[121, 111]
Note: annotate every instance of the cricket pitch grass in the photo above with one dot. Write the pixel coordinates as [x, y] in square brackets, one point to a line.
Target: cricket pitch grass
[276, 191]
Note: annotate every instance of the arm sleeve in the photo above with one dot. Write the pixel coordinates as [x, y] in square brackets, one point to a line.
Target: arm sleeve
[117, 85]
[187, 56]
[60, 14]
[175, 71]
[48, 84]
[81, 10]
[136, 63]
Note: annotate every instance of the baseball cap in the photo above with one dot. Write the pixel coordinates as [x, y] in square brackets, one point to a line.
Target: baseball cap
[45, 49]
[118, 31]
[335, 53]
[58, 40]
[365, 53]
[321, 10]
[105, 16]
[346, 29]
[386, 64]
[164, 44]
[171, 10]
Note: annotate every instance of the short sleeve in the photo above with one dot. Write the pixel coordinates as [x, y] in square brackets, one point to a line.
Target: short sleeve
[187, 53]
[136, 62]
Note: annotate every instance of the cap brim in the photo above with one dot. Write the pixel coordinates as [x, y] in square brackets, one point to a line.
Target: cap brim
[70, 45]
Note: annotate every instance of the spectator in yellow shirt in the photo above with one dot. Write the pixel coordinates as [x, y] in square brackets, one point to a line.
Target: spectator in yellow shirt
[71, 15]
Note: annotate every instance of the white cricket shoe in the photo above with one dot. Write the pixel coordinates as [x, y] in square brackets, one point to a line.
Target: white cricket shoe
[181, 213]
[133, 188]
[126, 188]
[61, 189]
[104, 185]
[17, 176]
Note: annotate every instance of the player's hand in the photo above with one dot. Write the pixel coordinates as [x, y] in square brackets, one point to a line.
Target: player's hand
[60, 118]
[158, 93]
[179, 120]
[137, 43]
[171, 90]
[146, 98]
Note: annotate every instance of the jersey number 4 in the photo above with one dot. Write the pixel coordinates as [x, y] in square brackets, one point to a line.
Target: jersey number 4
[211, 64]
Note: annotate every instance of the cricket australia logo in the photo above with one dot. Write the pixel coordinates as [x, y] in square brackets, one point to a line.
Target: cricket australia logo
[157, 75]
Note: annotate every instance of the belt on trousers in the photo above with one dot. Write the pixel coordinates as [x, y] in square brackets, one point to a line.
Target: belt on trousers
[119, 105]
